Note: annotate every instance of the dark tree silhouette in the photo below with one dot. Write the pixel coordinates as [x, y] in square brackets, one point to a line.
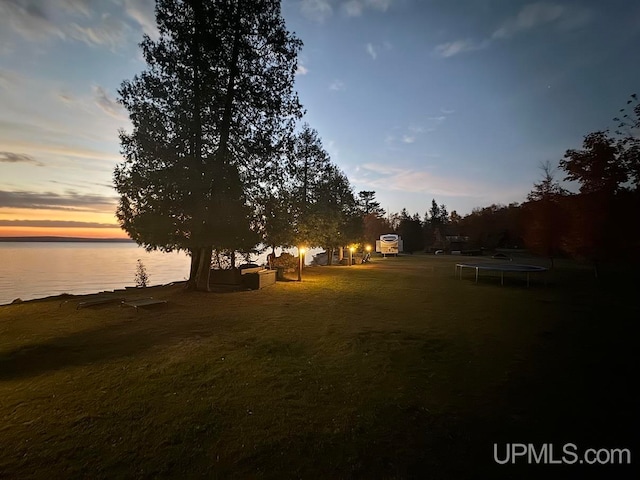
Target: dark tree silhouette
[410, 229]
[210, 114]
[598, 167]
[545, 218]
[628, 130]
[368, 204]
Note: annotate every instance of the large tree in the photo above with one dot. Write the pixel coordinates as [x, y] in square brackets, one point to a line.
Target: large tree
[368, 203]
[598, 167]
[545, 218]
[211, 115]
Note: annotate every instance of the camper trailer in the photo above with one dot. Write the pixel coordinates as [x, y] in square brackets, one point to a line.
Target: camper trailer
[389, 244]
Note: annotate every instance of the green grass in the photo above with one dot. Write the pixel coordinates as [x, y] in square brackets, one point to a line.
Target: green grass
[394, 369]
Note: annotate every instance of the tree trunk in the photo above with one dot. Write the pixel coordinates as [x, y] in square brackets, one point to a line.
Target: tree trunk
[329, 256]
[195, 260]
[203, 269]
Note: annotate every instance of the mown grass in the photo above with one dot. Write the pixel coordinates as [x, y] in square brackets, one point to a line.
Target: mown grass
[395, 369]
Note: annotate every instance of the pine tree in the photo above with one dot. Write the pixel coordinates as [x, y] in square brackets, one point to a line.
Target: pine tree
[211, 114]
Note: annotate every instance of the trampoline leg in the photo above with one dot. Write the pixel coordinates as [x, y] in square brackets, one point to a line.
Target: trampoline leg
[476, 274]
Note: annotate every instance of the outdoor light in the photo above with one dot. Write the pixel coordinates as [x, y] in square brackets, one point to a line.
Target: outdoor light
[301, 251]
[351, 249]
[368, 247]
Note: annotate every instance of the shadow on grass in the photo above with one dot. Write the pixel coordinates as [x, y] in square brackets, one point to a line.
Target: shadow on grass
[116, 340]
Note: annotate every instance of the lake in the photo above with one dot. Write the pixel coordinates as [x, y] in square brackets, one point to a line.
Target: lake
[31, 270]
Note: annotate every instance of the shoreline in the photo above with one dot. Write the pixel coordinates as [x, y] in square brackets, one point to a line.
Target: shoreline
[70, 296]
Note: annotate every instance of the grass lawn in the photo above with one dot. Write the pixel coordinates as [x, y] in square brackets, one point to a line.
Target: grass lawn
[394, 369]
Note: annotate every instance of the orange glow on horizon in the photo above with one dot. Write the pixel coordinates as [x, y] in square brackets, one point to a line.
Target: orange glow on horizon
[111, 233]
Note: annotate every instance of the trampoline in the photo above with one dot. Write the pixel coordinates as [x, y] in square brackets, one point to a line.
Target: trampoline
[500, 267]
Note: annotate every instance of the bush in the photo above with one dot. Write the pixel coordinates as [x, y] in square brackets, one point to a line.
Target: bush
[142, 278]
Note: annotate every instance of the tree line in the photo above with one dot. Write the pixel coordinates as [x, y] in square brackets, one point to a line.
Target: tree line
[218, 162]
[595, 224]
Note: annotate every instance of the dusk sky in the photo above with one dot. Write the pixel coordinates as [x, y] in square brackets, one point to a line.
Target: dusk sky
[416, 99]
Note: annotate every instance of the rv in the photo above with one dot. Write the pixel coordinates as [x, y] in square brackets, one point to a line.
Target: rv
[389, 244]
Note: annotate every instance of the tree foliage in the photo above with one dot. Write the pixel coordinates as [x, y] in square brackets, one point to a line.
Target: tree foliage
[545, 216]
[210, 114]
[368, 204]
[598, 167]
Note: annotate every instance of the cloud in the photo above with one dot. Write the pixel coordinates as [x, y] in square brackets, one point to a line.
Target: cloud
[29, 19]
[71, 200]
[301, 70]
[450, 49]
[143, 12]
[337, 86]
[82, 20]
[530, 16]
[447, 111]
[415, 181]
[10, 157]
[106, 103]
[408, 139]
[318, 10]
[535, 15]
[372, 51]
[355, 8]
[110, 32]
[55, 224]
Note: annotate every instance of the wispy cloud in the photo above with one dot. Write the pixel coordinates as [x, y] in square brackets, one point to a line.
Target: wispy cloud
[70, 200]
[143, 13]
[110, 32]
[301, 70]
[337, 86]
[449, 49]
[318, 10]
[408, 138]
[371, 51]
[81, 20]
[385, 177]
[355, 8]
[55, 224]
[107, 103]
[11, 157]
[30, 20]
[530, 16]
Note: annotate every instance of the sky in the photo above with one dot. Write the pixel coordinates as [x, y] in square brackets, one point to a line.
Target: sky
[458, 101]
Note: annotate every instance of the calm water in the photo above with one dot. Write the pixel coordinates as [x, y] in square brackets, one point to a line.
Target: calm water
[36, 270]
[31, 270]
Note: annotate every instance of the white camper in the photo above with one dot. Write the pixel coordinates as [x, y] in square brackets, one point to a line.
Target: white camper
[389, 244]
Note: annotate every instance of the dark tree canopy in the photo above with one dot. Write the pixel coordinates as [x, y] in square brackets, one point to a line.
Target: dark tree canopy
[210, 114]
[368, 204]
[598, 166]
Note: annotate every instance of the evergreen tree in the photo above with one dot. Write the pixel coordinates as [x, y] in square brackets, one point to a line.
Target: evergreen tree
[210, 114]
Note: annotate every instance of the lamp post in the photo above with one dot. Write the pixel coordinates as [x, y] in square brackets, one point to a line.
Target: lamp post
[300, 262]
[367, 253]
[351, 256]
